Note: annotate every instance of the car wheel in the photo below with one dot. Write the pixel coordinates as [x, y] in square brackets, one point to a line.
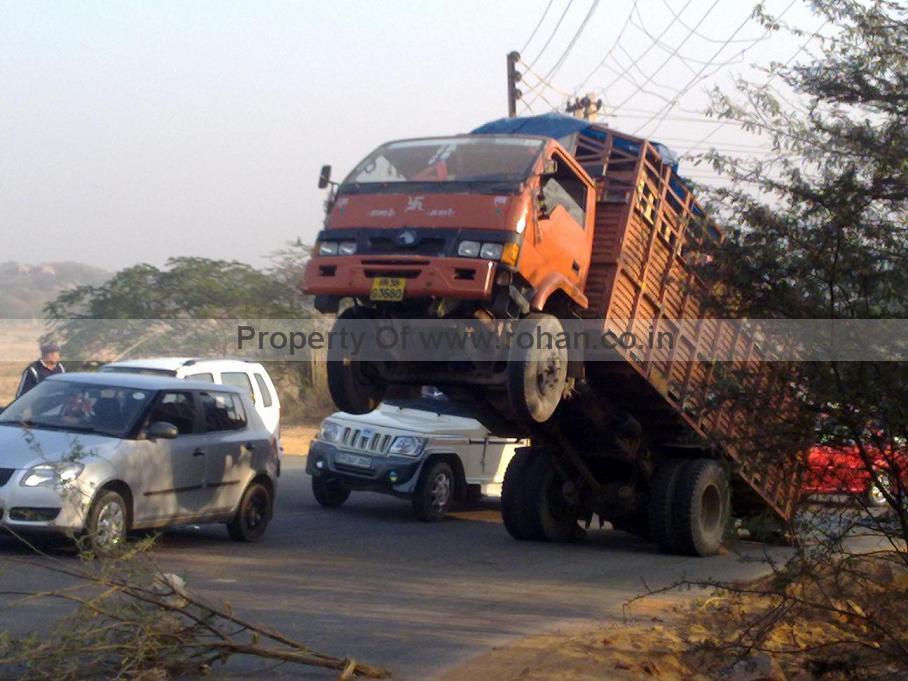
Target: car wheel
[328, 491]
[434, 494]
[536, 377]
[253, 515]
[107, 523]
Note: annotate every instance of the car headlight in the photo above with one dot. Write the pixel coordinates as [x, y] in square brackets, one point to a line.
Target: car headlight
[331, 432]
[346, 248]
[327, 248]
[407, 445]
[52, 474]
[491, 251]
[468, 249]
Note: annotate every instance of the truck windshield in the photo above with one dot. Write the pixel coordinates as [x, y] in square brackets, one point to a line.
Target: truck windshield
[442, 161]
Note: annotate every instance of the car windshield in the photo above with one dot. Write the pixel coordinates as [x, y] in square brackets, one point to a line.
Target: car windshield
[450, 160]
[78, 407]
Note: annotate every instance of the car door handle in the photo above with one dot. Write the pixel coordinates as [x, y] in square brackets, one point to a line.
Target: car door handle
[199, 452]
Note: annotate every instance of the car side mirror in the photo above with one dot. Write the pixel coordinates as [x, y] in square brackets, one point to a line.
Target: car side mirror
[162, 430]
[324, 177]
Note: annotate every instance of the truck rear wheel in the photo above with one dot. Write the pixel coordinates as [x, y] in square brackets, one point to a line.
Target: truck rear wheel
[701, 508]
[354, 388]
[536, 374]
[550, 516]
[513, 507]
[662, 502]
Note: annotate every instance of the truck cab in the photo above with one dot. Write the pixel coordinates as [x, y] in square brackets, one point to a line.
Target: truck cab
[488, 227]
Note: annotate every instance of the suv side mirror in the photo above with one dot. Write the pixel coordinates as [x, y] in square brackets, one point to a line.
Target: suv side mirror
[324, 177]
[162, 430]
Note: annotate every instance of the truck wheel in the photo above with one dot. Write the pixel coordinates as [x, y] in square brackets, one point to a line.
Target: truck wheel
[702, 508]
[328, 491]
[353, 387]
[253, 515]
[536, 376]
[661, 502]
[551, 516]
[434, 493]
[513, 507]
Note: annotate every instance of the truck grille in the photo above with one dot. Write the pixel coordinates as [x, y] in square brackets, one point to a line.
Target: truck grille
[366, 440]
[5, 475]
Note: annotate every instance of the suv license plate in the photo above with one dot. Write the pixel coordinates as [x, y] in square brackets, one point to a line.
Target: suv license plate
[353, 460]
[388, 288]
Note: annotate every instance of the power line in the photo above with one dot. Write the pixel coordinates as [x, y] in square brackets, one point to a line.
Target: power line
[677, 17]
[554, 31]
[612, 49]
[539, 23]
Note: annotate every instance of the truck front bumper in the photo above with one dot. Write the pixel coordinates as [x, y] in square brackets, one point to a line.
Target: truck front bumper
[352, 275]
[388, 474]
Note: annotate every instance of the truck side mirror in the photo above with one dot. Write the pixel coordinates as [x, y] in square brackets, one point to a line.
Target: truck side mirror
[550, 168]
[324, 177]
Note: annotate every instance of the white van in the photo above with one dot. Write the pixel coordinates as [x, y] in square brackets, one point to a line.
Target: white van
[250, 377]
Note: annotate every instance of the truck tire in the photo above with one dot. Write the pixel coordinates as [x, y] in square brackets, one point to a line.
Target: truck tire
[435, 492]
[701, 509]
[536, 377]
[661, 503]
[328, 491]
[353, 387]
[551, 517]
[513, 507]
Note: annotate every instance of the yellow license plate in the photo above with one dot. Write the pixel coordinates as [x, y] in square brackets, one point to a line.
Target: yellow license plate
[388, 288]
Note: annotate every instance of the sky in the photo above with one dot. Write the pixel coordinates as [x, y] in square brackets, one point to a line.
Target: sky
[137, 131]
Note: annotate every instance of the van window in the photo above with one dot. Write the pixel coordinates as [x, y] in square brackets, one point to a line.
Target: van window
[263, 388]
[238, 379]
[564, 188]
[208, 378]
[223, 411]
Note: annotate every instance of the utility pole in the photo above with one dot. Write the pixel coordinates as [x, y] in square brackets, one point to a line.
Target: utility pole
[587, 107]
[513, 78]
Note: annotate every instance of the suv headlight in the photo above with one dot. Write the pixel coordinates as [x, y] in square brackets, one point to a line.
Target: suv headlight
[52, 474]
[331, 432]
[327, 248]
[407, 445]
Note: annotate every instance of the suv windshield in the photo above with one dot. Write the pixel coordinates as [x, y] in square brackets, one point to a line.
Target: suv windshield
[447, 160]
[79, 407]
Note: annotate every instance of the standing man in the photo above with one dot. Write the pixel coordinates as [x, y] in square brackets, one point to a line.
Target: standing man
[37, 371]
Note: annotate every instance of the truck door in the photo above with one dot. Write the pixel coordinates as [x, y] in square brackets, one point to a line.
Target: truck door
[564, 239]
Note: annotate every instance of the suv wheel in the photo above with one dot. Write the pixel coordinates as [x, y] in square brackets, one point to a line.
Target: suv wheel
[434, 494]
[329, 492]
[253, 515]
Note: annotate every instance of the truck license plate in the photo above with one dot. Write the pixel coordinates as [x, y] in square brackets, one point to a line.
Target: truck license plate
[353, 460]
[388, 288]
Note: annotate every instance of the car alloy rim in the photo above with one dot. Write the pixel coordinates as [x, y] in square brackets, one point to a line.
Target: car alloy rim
[111, 525]
[441, 491]
[876, 491]
[255, 510]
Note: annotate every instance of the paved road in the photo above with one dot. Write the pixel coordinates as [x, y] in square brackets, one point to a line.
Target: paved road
[370, 581]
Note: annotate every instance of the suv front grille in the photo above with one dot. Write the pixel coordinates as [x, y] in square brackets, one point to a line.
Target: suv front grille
[371, 441]
[5, 475]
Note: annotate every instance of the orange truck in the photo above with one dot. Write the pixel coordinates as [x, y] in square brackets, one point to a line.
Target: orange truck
[555, 221]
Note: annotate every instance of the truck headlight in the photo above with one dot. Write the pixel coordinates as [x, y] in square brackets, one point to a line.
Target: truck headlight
[407, 445]
[327, 248]
[491, 251]
[52, 474]
[468, 249]
[346, 248]
[331, 432]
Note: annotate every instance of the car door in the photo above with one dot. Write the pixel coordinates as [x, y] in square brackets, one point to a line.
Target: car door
[169, 475]
[229, 448]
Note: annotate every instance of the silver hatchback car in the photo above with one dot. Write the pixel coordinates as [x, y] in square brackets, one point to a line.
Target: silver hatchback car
[97, 455]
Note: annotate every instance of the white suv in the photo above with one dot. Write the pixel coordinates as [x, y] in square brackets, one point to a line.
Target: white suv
[250, 377]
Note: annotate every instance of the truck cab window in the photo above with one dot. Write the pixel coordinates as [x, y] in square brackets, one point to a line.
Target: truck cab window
[565, 189]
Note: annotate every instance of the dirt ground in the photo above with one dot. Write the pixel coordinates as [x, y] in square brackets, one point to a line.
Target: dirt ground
[296, 438]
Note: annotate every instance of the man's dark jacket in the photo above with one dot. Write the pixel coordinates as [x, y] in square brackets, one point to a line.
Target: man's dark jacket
[35, 373]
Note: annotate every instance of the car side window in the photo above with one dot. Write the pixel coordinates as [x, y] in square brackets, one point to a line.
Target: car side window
[223, 411]
[208, 378]
[177, 408]
[566, 189]
[238, 379]
[267, 400]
